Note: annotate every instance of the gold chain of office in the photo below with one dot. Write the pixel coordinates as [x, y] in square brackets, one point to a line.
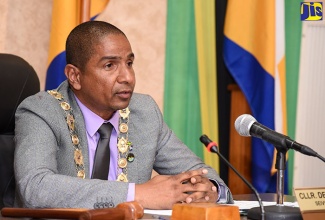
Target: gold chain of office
[123, 144]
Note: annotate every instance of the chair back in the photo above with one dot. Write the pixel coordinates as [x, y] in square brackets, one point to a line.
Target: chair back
[18, 80]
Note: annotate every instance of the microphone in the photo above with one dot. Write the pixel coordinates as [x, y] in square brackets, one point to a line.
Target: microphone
[246, 125]
[212, 147]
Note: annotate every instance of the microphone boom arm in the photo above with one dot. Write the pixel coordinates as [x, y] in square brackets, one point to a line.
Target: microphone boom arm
[212, 147]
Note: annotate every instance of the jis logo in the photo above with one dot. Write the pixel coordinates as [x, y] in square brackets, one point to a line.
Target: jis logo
[311, 11]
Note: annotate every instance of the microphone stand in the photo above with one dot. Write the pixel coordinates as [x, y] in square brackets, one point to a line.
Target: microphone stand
[212, 147]
[278, 211]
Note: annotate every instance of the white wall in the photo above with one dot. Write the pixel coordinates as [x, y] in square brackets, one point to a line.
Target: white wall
[310, 171]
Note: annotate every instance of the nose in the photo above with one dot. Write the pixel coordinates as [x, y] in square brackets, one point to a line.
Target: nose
[126, 74]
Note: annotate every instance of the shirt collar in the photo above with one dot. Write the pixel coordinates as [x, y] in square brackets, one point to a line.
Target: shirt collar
[93, 121]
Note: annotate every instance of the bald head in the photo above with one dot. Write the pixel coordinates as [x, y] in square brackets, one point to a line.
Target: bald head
[83, 38]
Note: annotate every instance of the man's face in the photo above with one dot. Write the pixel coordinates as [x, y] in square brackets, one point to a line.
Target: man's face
[107, 83]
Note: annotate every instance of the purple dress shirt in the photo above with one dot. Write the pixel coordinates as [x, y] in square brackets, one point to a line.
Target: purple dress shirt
[93, 122]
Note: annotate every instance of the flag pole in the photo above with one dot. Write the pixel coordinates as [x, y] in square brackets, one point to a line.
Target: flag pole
[84, 11]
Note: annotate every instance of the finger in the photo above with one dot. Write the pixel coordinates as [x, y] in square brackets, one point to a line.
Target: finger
[182, 199]
[191, 173]
[203, 200]
[200, 179]
[196, 197]
[202, 197]
[192, 188]
[211, 197]
[198, 183]
[204, 188]
[200, 172]
[196, 179]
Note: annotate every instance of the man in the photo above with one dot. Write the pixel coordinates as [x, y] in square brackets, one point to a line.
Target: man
[57, 133]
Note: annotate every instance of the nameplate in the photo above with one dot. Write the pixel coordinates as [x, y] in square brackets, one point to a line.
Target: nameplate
[311, 202]
[206, 211]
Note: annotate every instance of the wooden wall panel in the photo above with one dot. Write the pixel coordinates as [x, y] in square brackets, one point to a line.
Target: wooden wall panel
[239, 147]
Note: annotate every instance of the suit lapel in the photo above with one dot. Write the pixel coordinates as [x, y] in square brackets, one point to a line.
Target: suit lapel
[79, 123]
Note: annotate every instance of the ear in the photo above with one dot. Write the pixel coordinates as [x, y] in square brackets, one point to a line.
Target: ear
[73, 75]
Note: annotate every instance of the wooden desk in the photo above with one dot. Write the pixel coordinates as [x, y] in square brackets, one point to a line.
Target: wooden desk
[270, 197]
[146, 216]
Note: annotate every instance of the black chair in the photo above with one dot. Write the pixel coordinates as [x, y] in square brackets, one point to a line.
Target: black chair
[18, 80]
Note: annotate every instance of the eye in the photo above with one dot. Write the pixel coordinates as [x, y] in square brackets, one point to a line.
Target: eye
[109, 66]
[130, 63]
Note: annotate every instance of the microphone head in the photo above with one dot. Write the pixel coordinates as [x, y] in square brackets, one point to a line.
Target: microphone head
[243, 124]
[205, 140]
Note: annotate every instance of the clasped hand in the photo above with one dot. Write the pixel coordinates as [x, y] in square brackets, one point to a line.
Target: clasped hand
[162, 191]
